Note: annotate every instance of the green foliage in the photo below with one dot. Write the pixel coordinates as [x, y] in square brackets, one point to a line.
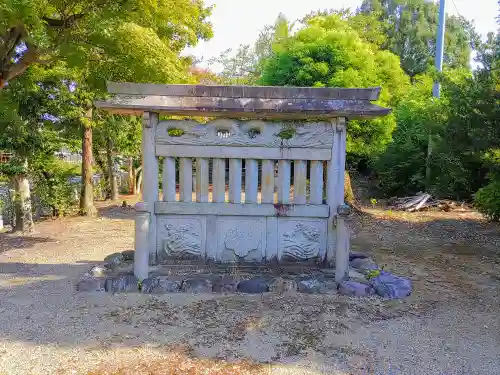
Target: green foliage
[328, 52]
[114, 39]
[287, 133]
[175, 132]
[51, 184]
[487, 200]
[410, 29]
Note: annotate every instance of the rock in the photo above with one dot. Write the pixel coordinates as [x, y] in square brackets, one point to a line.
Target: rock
[165, 285]
[358, 277]
[309, 285]
[97, 271]
[317, 285]
[354, 289]
[328, 286]
[128, 254]
[253, 286]
[281, 285]
[160, 285]
[363, 264]
[356, 255]
[122, 283]
[91, 284]
[227, 284]
[196, 285]
[113, 260]
[149, 284]
[328, 272]
[390, 286]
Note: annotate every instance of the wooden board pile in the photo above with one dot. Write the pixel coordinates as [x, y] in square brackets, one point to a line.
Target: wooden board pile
[419, 202]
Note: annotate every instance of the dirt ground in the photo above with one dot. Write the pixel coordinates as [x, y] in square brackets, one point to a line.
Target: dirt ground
[450, 325]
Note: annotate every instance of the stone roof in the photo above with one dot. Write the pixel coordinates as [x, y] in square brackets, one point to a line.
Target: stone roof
[263, 102]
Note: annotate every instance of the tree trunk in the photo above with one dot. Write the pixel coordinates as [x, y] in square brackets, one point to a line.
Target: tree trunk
[113, 185]
[138, 184]
[131, 177]
[87, 207]
[349, 196]
[22, 203]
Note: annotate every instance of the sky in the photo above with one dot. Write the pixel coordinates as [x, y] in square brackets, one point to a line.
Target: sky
[238, 22]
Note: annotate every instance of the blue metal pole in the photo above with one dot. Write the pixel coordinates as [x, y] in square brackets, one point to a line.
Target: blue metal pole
[440, 45]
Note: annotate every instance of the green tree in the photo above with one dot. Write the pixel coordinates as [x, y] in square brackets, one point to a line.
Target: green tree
[328, 52]
[27, 129]
[122, 34]
[410, 28]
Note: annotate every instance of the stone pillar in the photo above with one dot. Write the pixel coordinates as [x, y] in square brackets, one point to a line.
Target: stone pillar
[150, 169]
[141, 240]
[342, 211]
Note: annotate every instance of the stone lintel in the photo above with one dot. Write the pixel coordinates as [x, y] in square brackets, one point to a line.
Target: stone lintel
[291, 108]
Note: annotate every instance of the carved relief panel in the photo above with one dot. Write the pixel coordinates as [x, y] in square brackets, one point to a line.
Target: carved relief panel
[301, 240]
[241, 239]
[181, 237]
[245, 133]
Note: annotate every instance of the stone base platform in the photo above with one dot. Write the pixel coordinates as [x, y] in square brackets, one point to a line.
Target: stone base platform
[116, 275]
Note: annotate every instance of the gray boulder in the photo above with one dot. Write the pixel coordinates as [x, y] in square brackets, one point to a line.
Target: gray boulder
[114, 260]
[226, 284]
[354, 289]
[253, 286]
[196, 285]
[122, 283]
[364, 265]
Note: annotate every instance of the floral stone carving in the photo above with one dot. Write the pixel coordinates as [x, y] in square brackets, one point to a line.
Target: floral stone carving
[243, 240]
[301, 243]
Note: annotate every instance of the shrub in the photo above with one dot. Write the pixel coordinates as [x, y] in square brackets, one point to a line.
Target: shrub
[487, 200]
[52, 185]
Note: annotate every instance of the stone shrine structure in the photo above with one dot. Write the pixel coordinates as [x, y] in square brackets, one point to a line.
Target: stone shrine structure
[296, 215]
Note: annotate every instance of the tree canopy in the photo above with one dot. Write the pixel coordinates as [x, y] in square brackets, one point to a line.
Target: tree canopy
[329, 52]
[128, 38]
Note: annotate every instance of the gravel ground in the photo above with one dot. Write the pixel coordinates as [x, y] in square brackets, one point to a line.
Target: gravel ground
[450, 325]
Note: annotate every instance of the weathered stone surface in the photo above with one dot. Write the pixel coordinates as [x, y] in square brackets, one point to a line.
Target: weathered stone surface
[358, 277]
[318, 285]
[91, 284]
[309, 285]
[196, 285]
[354, 289]
[113, 260]
[253, 286]
[242, 101]
[391, 286]
[160, 285]
[122, 283]
[364, 264]
[128, 254]
[149, 284]
[281, 285]
[356, 255]
[97, 271]
[227, 284]
[165, 285]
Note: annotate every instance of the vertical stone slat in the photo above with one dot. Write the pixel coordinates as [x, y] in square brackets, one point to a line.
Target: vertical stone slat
[299, 181]
[201, 180]
[186, 179]
[169, 182]
[251, 181]
[219, 180]
[235, 180]
[284, 181]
